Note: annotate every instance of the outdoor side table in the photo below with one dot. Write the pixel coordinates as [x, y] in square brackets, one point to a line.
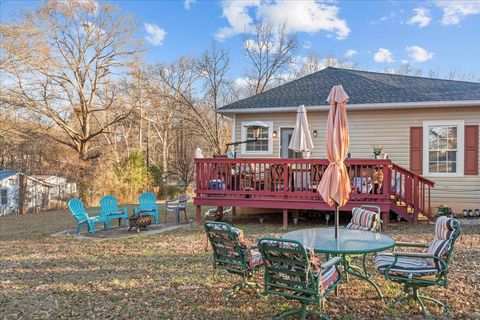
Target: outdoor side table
[322, 240]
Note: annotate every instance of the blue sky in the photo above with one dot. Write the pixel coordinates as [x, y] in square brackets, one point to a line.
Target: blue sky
[439, 35]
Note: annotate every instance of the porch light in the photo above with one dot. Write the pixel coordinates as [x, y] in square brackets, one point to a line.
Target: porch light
[274, 134]
[256, 126]
[315, 133]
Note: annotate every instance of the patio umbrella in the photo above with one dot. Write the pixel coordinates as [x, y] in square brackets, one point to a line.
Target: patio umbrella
[301, 139]
[335, 184]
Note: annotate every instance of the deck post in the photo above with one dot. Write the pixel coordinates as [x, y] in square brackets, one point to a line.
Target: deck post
[285, 219]
[234, 212]
[198, 215]
[385, 218]
[220, 212]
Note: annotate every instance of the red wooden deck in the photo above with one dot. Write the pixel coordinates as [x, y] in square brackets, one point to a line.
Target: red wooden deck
[292, 184]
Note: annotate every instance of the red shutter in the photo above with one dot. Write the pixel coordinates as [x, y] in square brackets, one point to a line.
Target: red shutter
[416, 150]
[471, 150]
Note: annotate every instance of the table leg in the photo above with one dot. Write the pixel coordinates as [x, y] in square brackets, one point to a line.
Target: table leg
[350, 270]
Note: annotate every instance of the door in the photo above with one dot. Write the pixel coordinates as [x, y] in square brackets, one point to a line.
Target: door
[285, 137]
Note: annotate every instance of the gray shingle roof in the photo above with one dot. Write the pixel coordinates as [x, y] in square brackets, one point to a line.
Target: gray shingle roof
[363, 87]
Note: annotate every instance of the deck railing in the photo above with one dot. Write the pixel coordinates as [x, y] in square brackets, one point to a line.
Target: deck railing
[298, 179]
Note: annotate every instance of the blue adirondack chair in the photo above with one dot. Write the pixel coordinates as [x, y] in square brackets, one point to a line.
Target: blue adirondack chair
[83, 216]
[111, 210]
[147, 206]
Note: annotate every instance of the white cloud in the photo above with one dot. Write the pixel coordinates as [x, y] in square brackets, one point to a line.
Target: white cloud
[303, 16]
[419, 54]
[421, 17]
[455, 11]
[390, 16]
[155, 34]
[383, 55]
[307, 45]
[238, 18]
[187, 4]
[404, 61]
[350, 53]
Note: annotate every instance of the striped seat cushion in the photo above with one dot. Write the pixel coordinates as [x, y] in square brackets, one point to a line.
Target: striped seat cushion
[254, 259]
[362, 219]
[405, 266]
[444, 230]
[328, 277]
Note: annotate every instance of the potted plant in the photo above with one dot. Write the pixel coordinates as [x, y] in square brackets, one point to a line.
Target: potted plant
[377, 152]
[445, 211]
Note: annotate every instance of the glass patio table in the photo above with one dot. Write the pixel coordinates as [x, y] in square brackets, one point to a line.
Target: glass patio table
[349, 242]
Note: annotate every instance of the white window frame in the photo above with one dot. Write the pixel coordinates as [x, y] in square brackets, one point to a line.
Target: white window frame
[460, 124]
[270, 139]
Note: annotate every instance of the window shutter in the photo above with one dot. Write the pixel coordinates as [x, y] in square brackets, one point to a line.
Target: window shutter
[471, 150]
[416, 150]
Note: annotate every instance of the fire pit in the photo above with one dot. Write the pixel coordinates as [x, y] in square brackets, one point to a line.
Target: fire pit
[139, 223]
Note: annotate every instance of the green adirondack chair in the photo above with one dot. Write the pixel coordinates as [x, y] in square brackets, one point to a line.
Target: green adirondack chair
[111, 210]
[84, 217]
[290, 273]
[147, 206]
[231, 254]
[422, 269]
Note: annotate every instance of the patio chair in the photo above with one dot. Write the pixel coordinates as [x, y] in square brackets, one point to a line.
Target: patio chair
[147, 206]
[365, 220]
[231, 253]
[83, 216]
[422, 269]
[175, 206]
[290, 272]
[111, 210]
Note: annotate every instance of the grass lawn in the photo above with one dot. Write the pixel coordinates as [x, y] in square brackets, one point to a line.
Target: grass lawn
[170, 276]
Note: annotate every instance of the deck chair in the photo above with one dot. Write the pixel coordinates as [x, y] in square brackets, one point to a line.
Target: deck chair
[147, 206]
[422, 269]
[291, 273]
[230, 253]
[175, 206]
[111, 210]
[83, 217]
[365, 220]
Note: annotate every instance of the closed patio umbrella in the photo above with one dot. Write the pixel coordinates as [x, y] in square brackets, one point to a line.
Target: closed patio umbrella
[335, 184]
[301, 139]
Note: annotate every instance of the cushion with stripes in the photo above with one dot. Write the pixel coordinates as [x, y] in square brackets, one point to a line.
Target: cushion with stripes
[405, 266]
[254, 259]
[363, 219]
[328, 277]
[444, 230]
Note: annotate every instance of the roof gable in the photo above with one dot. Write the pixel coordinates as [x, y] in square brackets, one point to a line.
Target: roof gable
[363, 87]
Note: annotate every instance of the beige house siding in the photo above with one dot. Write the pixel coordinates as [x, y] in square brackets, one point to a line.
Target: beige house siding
[390, 128]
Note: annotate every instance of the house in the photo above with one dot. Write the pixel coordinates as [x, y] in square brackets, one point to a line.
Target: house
[21, 193]
[63, 189]
[428, 127]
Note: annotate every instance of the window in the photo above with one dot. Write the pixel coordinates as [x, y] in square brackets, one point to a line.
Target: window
[4, 197]
[263, 145]
[443, 148]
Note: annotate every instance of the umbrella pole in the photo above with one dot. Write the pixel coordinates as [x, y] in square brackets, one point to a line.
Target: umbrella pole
[336, 220]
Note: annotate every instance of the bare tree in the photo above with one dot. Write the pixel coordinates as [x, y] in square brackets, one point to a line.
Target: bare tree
[70, 83]
[269, 51]
[314, 62]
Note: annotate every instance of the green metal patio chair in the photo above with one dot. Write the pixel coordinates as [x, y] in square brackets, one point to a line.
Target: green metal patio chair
[290, 272]
[147, 206]
[111, 210]
[83, 216]
[231, 254]
[365, 219]
[422, 269]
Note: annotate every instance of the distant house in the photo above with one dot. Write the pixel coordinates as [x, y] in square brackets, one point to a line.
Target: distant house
[21, 193]
[62, 189]
[428, 126]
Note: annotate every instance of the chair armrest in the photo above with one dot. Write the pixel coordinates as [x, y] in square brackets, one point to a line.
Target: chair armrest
[414, 254]
[411, 244]
[331, 262]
